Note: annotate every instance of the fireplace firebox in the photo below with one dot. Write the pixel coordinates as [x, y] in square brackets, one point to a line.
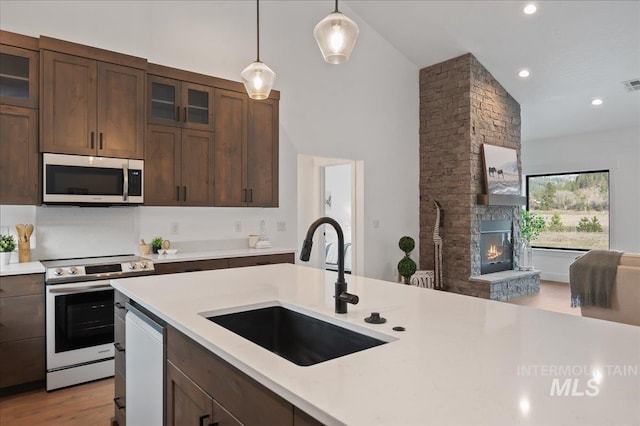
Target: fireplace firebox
[496, 247]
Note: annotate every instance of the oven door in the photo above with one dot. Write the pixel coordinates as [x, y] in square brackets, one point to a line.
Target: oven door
[80, 323]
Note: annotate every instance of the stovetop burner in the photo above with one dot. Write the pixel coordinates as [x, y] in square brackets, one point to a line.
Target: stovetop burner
[59, 271]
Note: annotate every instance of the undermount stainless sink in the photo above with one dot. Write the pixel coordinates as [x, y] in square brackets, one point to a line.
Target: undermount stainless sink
[299, 338]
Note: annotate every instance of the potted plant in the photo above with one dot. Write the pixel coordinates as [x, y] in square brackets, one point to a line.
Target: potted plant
[7, 245]
[156, 244]
[531, 226]
[406, 266]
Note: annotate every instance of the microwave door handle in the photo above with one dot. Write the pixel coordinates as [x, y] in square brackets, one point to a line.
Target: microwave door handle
[125, 184]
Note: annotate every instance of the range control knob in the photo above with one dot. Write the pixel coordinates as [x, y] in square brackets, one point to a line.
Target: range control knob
[132, 265]
[58, 271]
[73, 270]
[143, 265]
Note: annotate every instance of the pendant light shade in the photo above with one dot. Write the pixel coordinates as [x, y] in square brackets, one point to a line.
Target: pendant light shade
[258, 78]
[336, 36]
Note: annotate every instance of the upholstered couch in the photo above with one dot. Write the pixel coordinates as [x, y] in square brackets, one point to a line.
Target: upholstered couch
[625, 306]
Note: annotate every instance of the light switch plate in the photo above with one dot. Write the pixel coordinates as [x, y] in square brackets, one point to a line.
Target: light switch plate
[282, 226]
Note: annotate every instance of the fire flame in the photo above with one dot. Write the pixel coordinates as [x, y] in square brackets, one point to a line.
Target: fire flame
[493, 253]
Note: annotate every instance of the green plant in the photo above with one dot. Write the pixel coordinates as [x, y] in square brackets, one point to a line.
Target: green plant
[531, 225]
[587, 225]
[156, 243]
[556, 224]
[7, 243]
[406, 267]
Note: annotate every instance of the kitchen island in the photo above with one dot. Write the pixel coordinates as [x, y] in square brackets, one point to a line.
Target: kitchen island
[461, 360]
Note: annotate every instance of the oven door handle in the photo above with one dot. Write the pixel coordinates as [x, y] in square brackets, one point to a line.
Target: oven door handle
[78, 289]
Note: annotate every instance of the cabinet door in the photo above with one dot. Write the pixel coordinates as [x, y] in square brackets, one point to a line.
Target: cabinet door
[68, 104]
[21, 317]
[262, 154]
[164, 97]
[18, 155]
[197, 106]
[187, 403]
[18, 77]
[162, 166]
[120, 111]
[230, 188]
[197, 168]
[23, 361]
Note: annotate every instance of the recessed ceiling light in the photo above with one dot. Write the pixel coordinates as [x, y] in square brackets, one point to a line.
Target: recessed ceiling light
[596, 102]
[530, 9]
[524, 73]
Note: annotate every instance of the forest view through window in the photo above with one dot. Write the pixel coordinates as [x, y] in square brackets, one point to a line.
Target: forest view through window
[575, 207]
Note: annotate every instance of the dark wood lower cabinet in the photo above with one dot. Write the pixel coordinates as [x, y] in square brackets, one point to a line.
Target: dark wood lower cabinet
[233, 262]
[22, 332]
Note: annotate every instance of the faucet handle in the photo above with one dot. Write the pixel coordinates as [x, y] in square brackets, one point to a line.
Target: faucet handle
[349, 298]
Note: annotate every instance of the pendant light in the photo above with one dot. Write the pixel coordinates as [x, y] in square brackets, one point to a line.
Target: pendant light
[336, 36]
[258, 78]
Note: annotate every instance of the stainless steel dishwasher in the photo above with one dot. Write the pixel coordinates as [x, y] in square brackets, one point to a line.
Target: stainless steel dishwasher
[144, 362]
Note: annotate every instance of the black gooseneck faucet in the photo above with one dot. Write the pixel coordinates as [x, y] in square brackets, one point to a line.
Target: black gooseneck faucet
[341, 295]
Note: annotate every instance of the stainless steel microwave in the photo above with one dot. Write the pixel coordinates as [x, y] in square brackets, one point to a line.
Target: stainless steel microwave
[79, 179]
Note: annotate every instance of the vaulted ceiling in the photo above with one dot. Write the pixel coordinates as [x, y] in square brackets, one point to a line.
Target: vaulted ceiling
[575, 51]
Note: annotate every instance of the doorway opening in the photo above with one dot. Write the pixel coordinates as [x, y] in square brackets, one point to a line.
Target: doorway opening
[332, 187]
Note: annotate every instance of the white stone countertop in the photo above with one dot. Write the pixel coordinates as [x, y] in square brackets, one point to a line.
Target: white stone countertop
[215, 254]
[461, 360]
[21, 269]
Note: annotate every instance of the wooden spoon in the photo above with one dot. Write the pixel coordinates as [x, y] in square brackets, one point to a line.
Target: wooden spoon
[20, 229]
[29, 230]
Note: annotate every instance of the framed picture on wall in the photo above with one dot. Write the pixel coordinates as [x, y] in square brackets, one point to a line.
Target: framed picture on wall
[501, 173]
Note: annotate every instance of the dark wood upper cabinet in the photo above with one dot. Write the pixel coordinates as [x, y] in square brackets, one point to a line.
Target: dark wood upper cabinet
[18, 76]
[120, 111]
[91, 107]
[230, 148]
[178, 167]
[179, 103]
[246, 150]
[18, 155]
[262, 153]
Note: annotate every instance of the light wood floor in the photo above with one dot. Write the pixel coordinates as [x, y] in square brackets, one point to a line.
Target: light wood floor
[553, 296]
[84, 405]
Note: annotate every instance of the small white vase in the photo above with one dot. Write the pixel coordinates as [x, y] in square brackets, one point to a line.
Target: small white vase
[5, 257]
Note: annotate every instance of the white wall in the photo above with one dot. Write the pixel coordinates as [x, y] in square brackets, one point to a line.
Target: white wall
[364, 110]
[616, 150]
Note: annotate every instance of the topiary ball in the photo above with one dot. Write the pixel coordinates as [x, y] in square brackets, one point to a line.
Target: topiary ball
[406, 267]
[406, 244]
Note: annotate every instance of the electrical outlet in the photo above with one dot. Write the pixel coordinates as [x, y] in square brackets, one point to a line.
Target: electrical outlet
[376, 223]
[282, 226]
[238, 226]
[174, 229]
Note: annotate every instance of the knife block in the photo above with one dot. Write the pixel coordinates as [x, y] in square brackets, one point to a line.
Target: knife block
[24, 251]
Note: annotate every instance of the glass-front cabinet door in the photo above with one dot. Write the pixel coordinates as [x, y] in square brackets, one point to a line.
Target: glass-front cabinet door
[18, 77]
[164, 101]
[179, 103]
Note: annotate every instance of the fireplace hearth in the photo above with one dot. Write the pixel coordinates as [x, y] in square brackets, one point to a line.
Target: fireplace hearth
[496, 247]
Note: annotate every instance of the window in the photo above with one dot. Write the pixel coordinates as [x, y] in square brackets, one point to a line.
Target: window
[575, 207]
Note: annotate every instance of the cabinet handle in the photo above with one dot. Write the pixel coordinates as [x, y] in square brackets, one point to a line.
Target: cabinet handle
[263, 263]
[118, 347]
[177, 113]
[185, 114]
[193, 270]
[101, 137]
[119, 305]
[251, 195]
[184, 193]
[177, 193]
[117, 402]
[203, 418]
[93, 136]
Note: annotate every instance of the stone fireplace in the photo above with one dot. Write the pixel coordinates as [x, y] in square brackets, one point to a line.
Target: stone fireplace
[461, 107]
